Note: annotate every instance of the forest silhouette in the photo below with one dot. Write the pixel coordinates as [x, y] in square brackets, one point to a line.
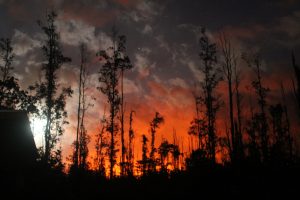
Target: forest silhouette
[258, 151]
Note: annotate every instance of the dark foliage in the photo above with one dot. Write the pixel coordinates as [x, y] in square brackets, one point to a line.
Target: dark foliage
[12, 96]
[52, 101]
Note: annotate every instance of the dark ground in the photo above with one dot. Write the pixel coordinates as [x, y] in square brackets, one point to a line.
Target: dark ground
[218, 182]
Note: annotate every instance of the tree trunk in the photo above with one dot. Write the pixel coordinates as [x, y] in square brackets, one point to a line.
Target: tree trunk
[122, 127]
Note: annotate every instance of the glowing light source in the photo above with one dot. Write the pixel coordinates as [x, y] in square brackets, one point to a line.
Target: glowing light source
[38, 128]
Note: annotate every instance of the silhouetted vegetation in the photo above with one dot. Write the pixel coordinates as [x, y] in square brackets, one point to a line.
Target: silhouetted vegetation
[101, 147]
[209, 99]
[109, 77]
[229, 68]
[261, 125]
[80, 154]
[12, 97]
[52, 101]
[130, 154]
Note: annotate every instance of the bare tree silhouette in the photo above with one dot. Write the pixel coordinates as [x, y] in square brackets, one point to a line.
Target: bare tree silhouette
[82, 74]
[238, 121]
[228, 65]
[123, 63]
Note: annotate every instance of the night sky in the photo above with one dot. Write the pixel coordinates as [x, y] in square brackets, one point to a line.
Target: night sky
[162, 43]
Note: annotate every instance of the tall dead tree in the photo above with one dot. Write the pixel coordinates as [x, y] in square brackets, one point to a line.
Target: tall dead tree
[79, 108]
[238, 121]
[228, 65]
[209, 99]
[123, 63]
[83, 136]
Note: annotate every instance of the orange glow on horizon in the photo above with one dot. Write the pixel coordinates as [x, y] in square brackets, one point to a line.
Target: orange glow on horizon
[177, 118]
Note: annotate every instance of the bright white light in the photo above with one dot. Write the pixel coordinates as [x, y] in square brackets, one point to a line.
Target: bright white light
[38, 128]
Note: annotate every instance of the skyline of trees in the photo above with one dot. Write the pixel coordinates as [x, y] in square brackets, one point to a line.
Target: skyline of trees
[267, 129]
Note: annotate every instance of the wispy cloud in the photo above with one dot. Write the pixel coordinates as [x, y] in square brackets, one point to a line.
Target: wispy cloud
[74, 32]
[23, 43]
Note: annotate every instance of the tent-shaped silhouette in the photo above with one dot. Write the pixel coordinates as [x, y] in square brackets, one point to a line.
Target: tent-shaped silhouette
[18, 151]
